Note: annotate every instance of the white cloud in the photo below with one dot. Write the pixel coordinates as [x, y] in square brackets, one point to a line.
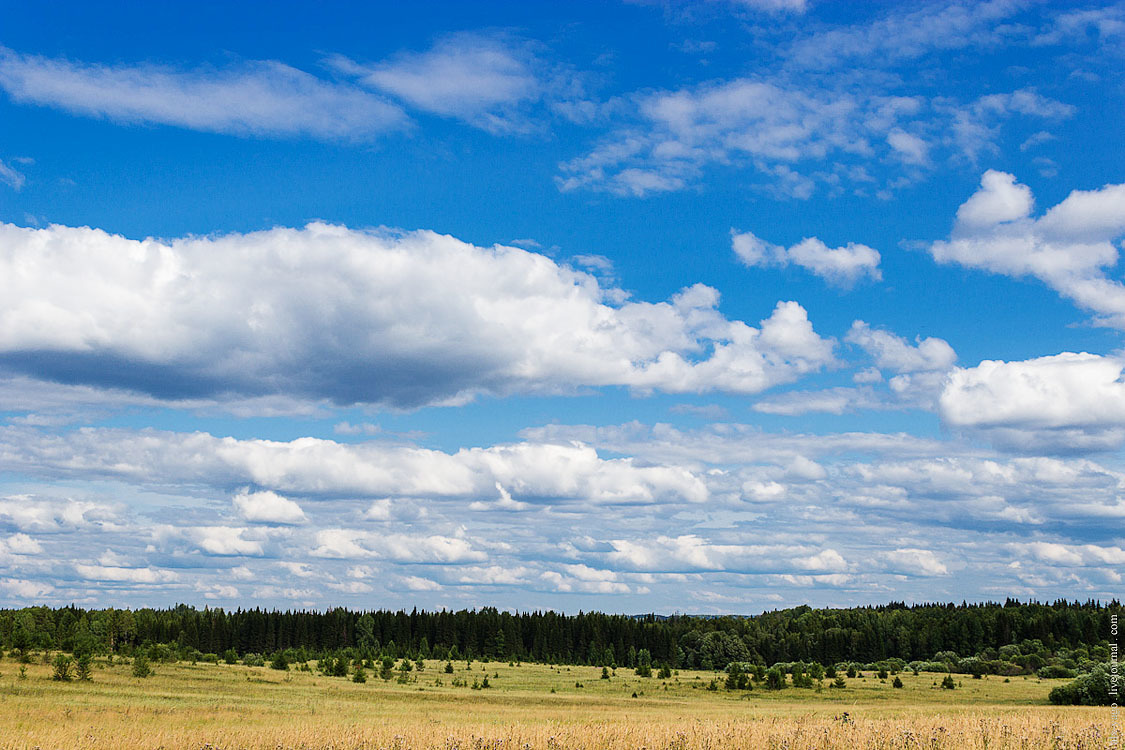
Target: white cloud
[999, 199]
[1107, 23]
[268, 507]
[691, 552]
[21, 544]
[795, 134]
[477, 78]
[910, 148]
[581, 578]
[364, 428]
[125, 575]
[552, 471]
[492, 575]
[415, 583]
[908, 32]
[28, 513]
[1063, 402]
[11, 177]
[254, 98]
[892, 352]
[220, 592]
[921, 371]
[213, 540]
[298, 569]
[1068, 248]
[352, 544]
[842, 266]
[916, 562]
[379, 510]
[363, 317]
[1071, 554]
[774, 6]
[350, 587]
[33, 591]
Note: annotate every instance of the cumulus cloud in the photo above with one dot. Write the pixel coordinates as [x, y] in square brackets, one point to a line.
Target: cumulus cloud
[783, 511]
[354, 544]
[894, 353]
[32, 591]
[916, 562]
[254, 98]
[28, 513]
[268, 507]
[549, 471]
[492, 575]
[125, 575]
[1070, 554]
[919, 374]
[1068, 248]
[583, 578]
[842, 266]
[1066, 402]
[362, 317]
[417, 583]
[20, 544]
[690, 552]
[221, 541]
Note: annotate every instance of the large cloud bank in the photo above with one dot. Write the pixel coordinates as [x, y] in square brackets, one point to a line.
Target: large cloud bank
[329, 313]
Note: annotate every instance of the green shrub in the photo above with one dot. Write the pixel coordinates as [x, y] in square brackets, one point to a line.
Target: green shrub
[1090, 689]
[948, 683]
[1055, 671]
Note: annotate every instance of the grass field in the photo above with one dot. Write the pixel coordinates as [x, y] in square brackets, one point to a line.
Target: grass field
[234, 706]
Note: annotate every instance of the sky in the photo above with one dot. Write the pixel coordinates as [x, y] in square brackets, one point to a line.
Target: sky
[708, 307]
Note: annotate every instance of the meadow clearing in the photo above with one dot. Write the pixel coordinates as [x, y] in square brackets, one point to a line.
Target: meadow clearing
[526, 706]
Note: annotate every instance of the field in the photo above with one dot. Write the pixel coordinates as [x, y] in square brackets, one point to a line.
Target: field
[526, 706]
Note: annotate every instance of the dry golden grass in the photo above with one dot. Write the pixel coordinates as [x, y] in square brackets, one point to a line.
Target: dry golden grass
[220, 706]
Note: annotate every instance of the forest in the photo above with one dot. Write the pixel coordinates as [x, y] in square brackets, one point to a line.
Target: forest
[993, 638]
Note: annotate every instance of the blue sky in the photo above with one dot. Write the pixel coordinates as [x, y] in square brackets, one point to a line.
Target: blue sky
[640, 306]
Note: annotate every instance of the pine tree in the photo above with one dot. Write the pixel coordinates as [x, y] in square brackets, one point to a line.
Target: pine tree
[82, 668]
[141, 667]
[62, 666]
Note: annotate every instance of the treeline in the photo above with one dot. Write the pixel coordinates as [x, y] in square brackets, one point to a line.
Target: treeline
[990, 637]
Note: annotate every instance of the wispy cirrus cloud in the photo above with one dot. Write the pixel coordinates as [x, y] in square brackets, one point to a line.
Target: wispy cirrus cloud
[487, 80]
[906, 33]
[265, 98]
[11, 176]
[794, 135]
